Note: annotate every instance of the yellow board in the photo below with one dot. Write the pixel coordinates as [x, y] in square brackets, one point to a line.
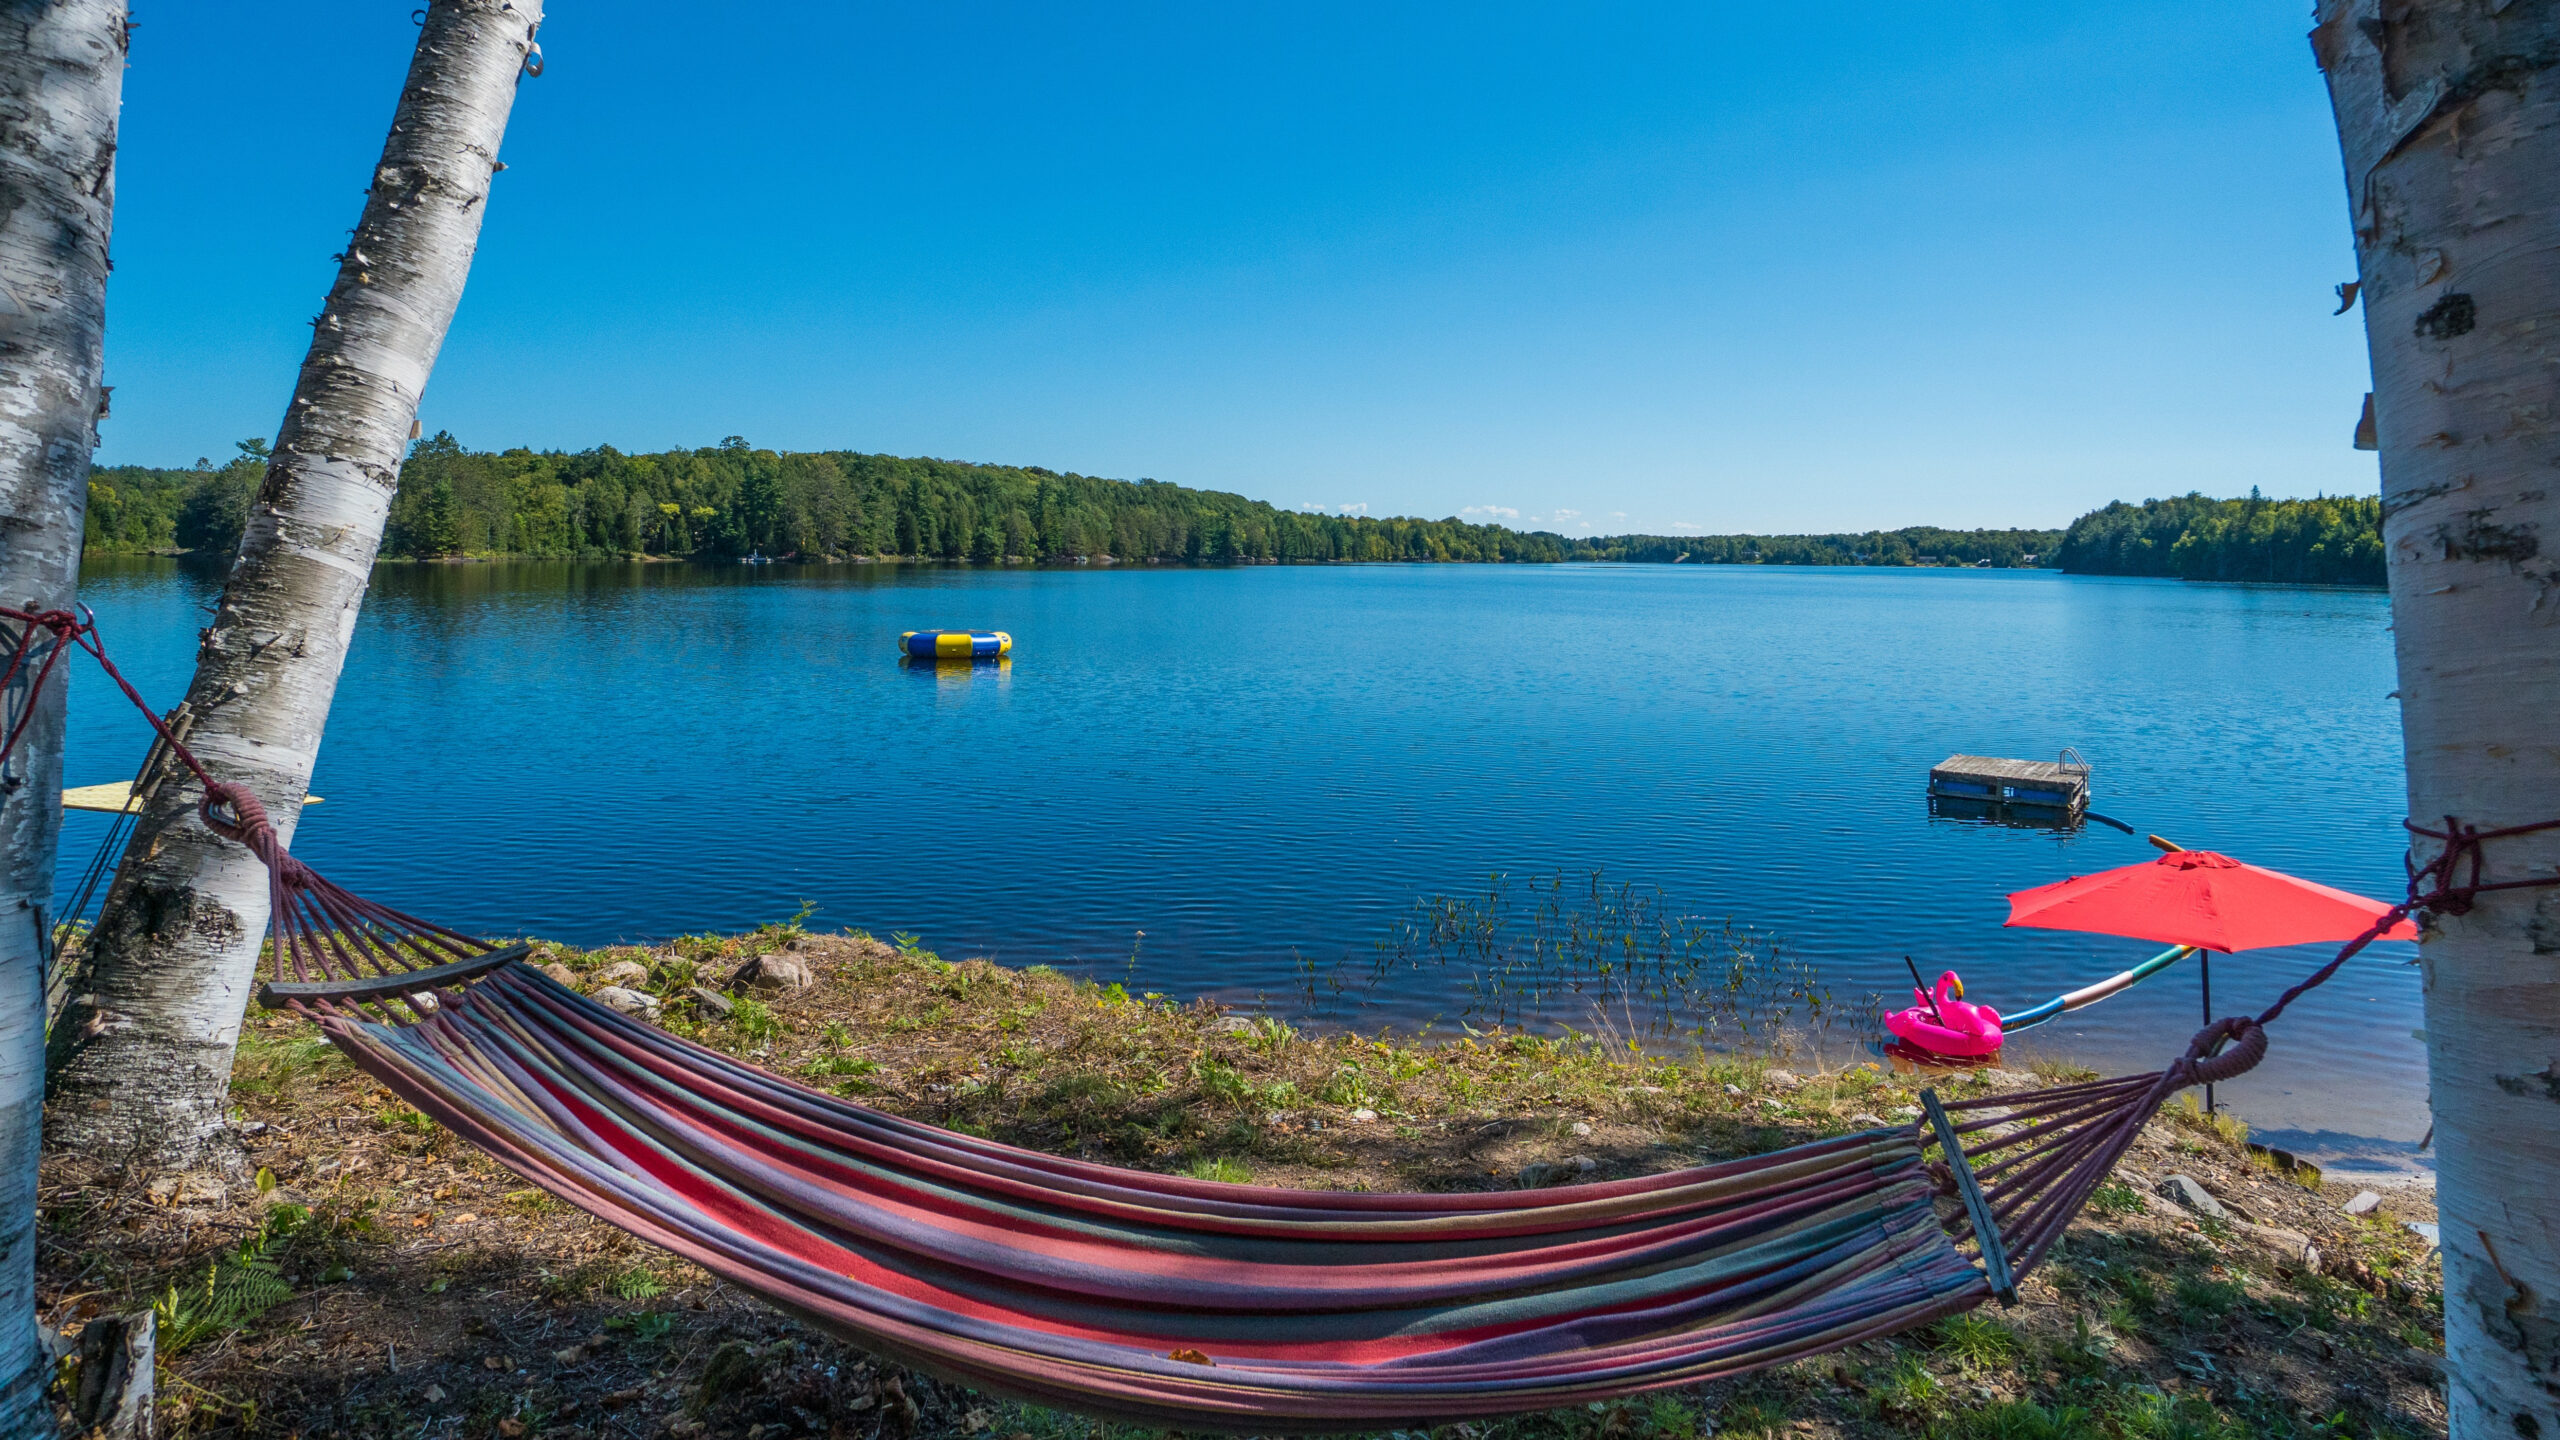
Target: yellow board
[115, 797]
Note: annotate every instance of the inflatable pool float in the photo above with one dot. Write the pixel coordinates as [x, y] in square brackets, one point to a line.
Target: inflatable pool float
[1945, 1023]
[956, 644]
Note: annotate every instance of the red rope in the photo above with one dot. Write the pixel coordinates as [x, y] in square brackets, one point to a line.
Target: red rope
[2438, 886]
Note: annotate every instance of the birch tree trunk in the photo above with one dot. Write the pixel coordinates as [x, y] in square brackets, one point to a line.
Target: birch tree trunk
[2449, 120]
[142, 1052]
[61, 78]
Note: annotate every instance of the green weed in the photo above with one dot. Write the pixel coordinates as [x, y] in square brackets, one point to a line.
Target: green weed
[1906, 1390]
[2117, 1198]
[2019, 1420]
[637, 1283]
[753, 1020]
[1975, 1342]
[267, 1064]
[1220, 1169]
[2150, 1415]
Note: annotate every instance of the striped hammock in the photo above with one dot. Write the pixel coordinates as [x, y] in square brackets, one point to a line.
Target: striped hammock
[1186, 1302]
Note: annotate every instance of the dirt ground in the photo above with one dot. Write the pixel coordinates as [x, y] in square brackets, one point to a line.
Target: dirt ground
[362, 1273]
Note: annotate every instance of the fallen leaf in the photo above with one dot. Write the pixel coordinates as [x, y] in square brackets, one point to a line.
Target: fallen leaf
[1191, 1357]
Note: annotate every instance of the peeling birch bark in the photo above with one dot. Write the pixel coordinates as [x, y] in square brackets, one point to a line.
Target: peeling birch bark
[142, 1052]
[2449, 122]
[61, 79]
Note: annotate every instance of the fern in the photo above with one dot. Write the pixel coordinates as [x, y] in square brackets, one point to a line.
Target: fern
[235, 1289]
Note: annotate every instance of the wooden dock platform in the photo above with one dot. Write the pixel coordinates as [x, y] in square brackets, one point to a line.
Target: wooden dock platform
[2041, 784]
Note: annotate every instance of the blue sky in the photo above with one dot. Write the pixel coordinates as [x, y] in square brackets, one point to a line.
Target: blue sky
[1596, 267]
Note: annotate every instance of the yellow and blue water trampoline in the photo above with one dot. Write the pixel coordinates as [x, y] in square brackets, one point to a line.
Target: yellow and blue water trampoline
[956, 644]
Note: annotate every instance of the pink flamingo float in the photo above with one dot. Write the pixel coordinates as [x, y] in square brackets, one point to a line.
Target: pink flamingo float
[1945, 1023]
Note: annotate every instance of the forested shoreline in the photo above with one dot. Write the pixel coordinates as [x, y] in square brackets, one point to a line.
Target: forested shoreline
[733, 500]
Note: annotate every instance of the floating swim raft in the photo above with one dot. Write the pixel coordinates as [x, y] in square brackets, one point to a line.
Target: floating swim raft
[2061, 785]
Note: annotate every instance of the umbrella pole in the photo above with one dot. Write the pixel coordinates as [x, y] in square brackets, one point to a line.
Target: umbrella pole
[2204, 974]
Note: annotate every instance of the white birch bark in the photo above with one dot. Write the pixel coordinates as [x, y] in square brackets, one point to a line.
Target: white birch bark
[2449, 121]
[61, 79]
[142, 1052]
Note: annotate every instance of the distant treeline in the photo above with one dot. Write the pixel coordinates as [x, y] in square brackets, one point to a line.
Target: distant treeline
[2328, 540]
[734, 499]
[1918, 545]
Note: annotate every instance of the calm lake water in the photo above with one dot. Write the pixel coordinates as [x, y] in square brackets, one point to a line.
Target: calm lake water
[1265, 768]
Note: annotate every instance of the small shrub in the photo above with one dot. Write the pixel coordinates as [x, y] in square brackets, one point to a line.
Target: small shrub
[1346, 1086]
[754, 1020]
[1220, 1083]
[1220, 1169]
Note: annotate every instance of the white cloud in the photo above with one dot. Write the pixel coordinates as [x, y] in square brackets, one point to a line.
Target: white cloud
[1617, 514]
[1686, 525]
[1567, 514]
[1504, 512]
[1321, 508]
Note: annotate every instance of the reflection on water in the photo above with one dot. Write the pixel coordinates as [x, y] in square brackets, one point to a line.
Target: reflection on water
[959, 672]
[1266, 767]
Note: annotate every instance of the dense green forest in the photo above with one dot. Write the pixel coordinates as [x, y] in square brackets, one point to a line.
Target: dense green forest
[2328, 540]
[735, 499]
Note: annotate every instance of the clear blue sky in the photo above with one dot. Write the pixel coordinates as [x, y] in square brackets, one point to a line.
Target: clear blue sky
[1616, 267]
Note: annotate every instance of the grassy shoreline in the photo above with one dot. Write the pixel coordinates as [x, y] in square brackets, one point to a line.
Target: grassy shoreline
[367, 1274]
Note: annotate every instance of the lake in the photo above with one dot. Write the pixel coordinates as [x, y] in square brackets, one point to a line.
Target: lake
[1263, 770]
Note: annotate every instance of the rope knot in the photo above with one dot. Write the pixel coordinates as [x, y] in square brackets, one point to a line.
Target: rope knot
[2221, 1051]
[233, 813]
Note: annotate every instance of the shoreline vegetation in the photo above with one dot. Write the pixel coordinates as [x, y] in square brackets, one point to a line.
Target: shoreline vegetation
[733, 500]
[367, 1274]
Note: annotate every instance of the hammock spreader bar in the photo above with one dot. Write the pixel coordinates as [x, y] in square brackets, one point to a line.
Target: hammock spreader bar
[1986, 1233]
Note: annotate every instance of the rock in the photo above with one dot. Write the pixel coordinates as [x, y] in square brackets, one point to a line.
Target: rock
[2005, 1079]
[774, 975]
[561, 973]
[1781, 1080]
[433, 1394]
[626, 973]
[1582, 1127]
[1906, 1112]
[1864, 1121]
[2185, 1191]
[1363, 1115]
[2426, 1230]
[1733, 1091]
[1234, 1025]
[1585, 1164]
[629, 1002]
[710, 1002]
[2365, 1203]
[2290, 1247]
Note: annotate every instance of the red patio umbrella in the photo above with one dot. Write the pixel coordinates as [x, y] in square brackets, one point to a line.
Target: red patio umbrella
[2209, 901]
[2195, 897]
